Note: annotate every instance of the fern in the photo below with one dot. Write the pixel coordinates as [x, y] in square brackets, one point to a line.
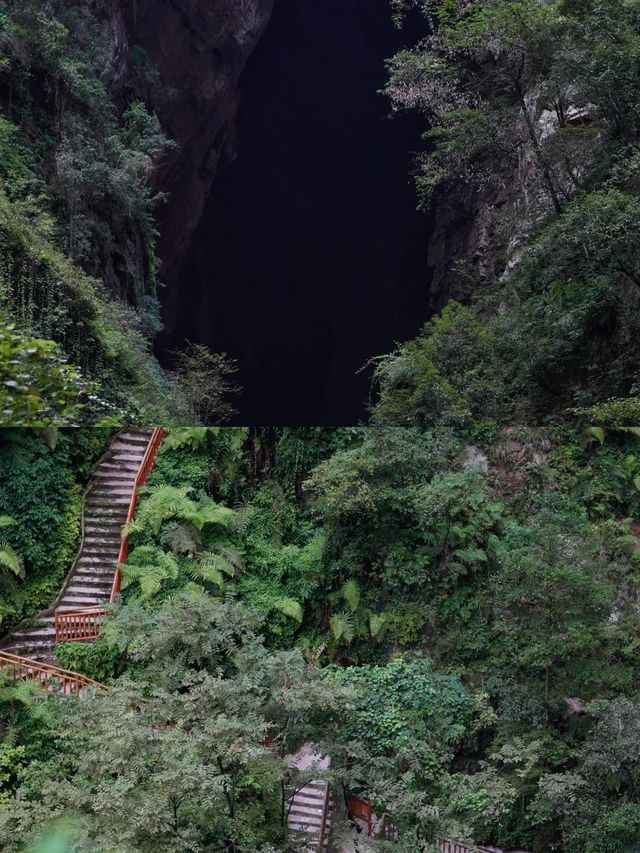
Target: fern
[11, 560]
[194, 438]
[213, 567]
[377, 624]
[289, 607]
[342, 627]
[351, 594]
[150, 567]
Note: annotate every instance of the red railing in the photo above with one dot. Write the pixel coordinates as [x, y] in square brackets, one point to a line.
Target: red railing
[51, 677]
[141, 478]
[77, 626]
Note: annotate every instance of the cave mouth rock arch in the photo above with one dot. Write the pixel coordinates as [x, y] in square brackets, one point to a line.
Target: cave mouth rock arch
[310, 256]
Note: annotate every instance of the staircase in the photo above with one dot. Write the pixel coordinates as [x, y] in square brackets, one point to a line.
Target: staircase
[311, 807]
[90, 581]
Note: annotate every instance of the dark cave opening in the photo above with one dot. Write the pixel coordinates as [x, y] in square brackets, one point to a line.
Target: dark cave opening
[310, 259]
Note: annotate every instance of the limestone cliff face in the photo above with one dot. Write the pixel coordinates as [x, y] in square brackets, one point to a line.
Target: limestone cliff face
[199, 48]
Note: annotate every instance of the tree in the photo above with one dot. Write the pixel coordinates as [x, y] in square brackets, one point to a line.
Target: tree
[174, 755]
[204, 380]
[398, 743]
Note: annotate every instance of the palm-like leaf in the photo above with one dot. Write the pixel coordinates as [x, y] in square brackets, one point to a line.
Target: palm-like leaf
[289, 607]
[342, 627]
[11, 560]
[215, 514]
[213, 567]
[351, 594]
[377, 623]
[151, 568]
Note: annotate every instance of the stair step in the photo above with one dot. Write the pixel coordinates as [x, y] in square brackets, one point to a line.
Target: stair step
[106, 548]
[100, 572]
[85, 589]
[77, 601]
[109, 488]
[92, 559]
[132, 438]
[111, 499]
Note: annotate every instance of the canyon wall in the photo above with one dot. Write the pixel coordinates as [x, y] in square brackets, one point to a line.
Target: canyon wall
[199, 48]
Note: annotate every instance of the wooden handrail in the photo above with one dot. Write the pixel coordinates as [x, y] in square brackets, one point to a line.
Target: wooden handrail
[45, 674]
[141, 478]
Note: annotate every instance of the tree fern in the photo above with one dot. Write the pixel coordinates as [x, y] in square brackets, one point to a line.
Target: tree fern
[289, 607]
[11, 560]
[161, 504]
[195, 438]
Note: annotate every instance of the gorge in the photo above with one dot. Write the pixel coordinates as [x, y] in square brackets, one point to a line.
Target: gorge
[310, 256]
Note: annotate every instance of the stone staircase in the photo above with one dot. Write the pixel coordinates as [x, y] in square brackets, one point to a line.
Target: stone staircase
[89, 582]
[306, 807]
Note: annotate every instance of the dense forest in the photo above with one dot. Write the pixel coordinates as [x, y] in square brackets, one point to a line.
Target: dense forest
[527, 173]
[451, 615]
[413, 627]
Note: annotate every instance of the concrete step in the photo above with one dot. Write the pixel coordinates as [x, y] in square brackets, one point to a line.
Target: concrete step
[77, 601]
[107, 500]
[108, 488]
[98, 570]
[141, 439]
[100, 584]
[119, 467]
[93, 559]
[98, 592]
[106, 513]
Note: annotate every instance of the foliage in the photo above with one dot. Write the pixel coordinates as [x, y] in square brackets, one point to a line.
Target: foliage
[188, 765]
[40, 488]
[204, 381]
[38, 386]
[97, 659]
[533, 131]
[77, 234]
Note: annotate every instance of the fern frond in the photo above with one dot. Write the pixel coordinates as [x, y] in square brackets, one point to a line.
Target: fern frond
[192, 437]
[215, 514]
[289, 607]
[377, 623]
[342, 627]
[11, 560]
[233, 557]
[351, 594]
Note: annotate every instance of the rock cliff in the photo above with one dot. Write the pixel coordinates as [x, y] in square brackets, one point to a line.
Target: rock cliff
[199, 48]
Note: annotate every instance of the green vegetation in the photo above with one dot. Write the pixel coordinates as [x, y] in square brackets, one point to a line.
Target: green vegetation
[78, 270]
[532, 110]
[452, 615]
[42, 476]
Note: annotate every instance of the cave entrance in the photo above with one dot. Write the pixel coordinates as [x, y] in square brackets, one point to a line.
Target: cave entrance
[310, 257]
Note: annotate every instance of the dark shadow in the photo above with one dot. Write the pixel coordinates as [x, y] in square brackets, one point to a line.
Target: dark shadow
[310, 257]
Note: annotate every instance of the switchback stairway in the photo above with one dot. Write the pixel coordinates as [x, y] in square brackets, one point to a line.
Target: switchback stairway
[109, 499]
